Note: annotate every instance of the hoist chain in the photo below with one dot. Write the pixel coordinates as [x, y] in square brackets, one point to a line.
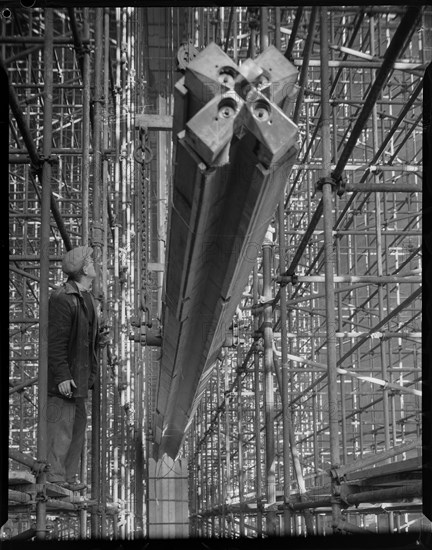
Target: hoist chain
[145, 205]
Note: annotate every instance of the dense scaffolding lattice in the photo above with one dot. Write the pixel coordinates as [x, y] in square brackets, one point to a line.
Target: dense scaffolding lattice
[310, 420]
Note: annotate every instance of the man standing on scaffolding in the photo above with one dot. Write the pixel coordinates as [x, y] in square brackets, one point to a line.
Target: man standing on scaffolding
[73, 342]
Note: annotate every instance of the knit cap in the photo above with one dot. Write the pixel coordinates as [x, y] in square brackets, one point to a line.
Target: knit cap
[74, 259]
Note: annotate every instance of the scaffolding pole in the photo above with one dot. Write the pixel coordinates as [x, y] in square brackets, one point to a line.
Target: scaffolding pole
[327, 190]
[284, 389]
[96, 236]
[269, 402]
[41, 507]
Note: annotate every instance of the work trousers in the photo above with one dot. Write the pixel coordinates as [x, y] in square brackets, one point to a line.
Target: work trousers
[66, 429]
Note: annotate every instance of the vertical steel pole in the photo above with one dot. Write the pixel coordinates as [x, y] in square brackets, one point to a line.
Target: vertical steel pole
[104, 275]
[269, 387]
[191, 479]
[240, 451]
[329, 261]
[264, 29]
[277, 27]
[96, 237]
[286, 424]
[379, 254]
[235, 32]
[220, 500]
[257, 427]
[139, 397]
[44, 273]
[227, 448]
[222, 25]
[83, 516]
[117, 416]
[341, 347]
[85, 131]
[304, 68]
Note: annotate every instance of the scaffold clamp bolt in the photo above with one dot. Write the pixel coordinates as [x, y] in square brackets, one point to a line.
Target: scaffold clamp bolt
[50, 159]
[334, 473]
[41, 497]
[39, 466]
[325, 180]
[283, 280]
[338, 184]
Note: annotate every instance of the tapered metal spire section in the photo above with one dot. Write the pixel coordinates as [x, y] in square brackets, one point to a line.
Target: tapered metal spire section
[234, 151]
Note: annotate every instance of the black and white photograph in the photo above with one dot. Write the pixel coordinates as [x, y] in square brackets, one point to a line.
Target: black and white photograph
[214, 327]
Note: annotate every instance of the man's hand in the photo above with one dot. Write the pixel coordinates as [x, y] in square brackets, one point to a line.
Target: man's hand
[65, 387]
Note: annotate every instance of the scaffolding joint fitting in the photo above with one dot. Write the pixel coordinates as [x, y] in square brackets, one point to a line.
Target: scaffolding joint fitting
[101, 100]
[50, 159]
[97, 234]
[334, 474]
[283, 280]
[254, 17]
[40, 466]
[82, 50]
[41, 497]
[337, 182]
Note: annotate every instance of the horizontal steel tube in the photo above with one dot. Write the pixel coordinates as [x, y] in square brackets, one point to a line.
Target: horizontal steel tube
[23, 385]
[403, 66]
[383, 187]
[413, 279]
[21, 258]
[311, 504]
[63, 151]
[22, 320]
[33, 359]
[17, 496]
[389, 233]
[25, 535]
[407, 491]
[354, 334]
[36, 40]
[375, 168]
[22, 458]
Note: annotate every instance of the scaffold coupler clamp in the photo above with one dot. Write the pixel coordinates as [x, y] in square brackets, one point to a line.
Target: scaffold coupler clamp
[40, 466]
[337, 182]
[253, 17]
[41, 495]
[283, 280]
[335, 474]
[50, 159]
[97, 234]
[81, 50]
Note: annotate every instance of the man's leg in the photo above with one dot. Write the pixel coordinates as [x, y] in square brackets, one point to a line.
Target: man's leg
[60, 422]
[78, 436]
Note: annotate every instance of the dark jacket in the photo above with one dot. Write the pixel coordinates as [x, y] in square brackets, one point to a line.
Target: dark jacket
[69, 356]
